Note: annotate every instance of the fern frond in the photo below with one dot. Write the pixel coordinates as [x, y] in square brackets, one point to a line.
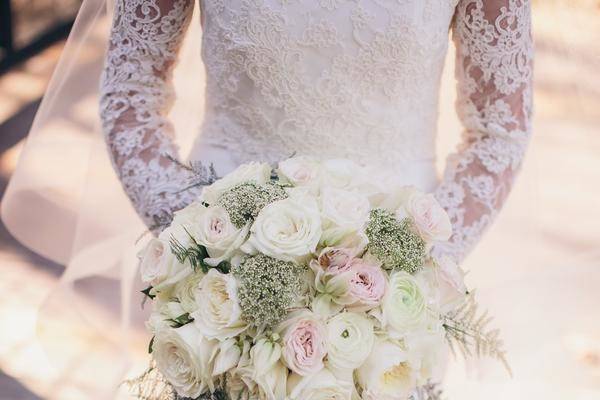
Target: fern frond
[152, 385]
[429, 391]
[468, 332]
[195, 255]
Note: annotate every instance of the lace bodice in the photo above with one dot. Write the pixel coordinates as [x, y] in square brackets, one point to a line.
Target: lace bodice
[329, 78]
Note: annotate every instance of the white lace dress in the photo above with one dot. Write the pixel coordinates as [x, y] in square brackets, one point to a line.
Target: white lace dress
[327, 78]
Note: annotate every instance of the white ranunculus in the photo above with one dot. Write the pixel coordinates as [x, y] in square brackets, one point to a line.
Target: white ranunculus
[186, 289]
[388, 374]
[160, 267]
[287, 229]
[214, 230]
[349, 340]
[404, 305]
[344, 209]
[321, 386]
[342, 174]
[259, 173]
[218, 314]
[431, 220]
[300, 172]
[183, 358]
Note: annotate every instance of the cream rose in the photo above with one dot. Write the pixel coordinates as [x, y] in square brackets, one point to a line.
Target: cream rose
[183, 358]
[388, 373]
[251, 172]
[404, 305]
[160, 267]
[300, 171]
[303, 343]
[344, 209]
[342, 174]
[186, 289]
[321, 386]
[349, 340]
[215, 231]
[287, 229]
[429, 217]
[218, 314]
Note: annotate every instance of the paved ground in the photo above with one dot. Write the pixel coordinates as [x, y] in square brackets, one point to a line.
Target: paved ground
[538, 269]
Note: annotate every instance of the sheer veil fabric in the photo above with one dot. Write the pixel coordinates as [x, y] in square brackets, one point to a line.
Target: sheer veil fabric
[65, 202]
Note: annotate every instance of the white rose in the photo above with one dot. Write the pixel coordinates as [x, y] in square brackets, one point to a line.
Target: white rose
[447, 280]
[160, 267]
[342, 174]
[429, 217]
[259, 173]
[183, 358]
[228, 356]
[215, 231]
[321, 386]
[287, 229]
[186, 289]
[218, 314]
[300, 171]
[267, 371]
[344, 209]
[349, 340]
[388, 373]
[404, 305]
[430, 350]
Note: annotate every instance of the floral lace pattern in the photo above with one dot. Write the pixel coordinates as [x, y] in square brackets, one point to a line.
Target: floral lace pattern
[330, 78]
[333, 78]
[494, 71]
[136, 96]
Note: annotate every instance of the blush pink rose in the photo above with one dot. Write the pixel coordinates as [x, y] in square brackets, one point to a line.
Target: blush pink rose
[336, 260]
[304, 344]
[367, 284]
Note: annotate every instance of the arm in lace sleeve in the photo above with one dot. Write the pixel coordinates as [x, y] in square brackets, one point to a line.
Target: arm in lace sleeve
[493, 68]
[136, 94]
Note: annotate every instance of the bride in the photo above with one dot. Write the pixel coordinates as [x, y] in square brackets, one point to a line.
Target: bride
[356, 79]
[328, 78]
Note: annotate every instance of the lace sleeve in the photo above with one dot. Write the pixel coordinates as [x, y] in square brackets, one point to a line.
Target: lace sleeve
[494, 71]
[136, 94]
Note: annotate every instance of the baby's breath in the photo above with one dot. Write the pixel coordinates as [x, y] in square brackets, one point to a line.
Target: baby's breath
[395, 243]
[244, 201]
[267, 289]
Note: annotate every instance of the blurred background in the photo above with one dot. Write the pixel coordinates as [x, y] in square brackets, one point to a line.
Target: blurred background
[546, 299]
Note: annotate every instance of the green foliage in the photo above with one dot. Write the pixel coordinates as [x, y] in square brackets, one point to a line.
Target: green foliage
[180, 321]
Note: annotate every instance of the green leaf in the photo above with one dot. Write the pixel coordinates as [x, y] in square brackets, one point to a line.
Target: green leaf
[147, 292]
[180, 321]
[150, 345]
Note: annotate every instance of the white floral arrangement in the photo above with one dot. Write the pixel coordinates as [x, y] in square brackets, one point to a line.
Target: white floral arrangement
[309, 281]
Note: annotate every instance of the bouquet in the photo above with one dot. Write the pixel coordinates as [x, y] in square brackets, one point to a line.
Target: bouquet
[308, 281]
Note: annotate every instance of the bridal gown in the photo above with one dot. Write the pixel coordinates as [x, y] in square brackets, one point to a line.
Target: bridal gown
[356, 79]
